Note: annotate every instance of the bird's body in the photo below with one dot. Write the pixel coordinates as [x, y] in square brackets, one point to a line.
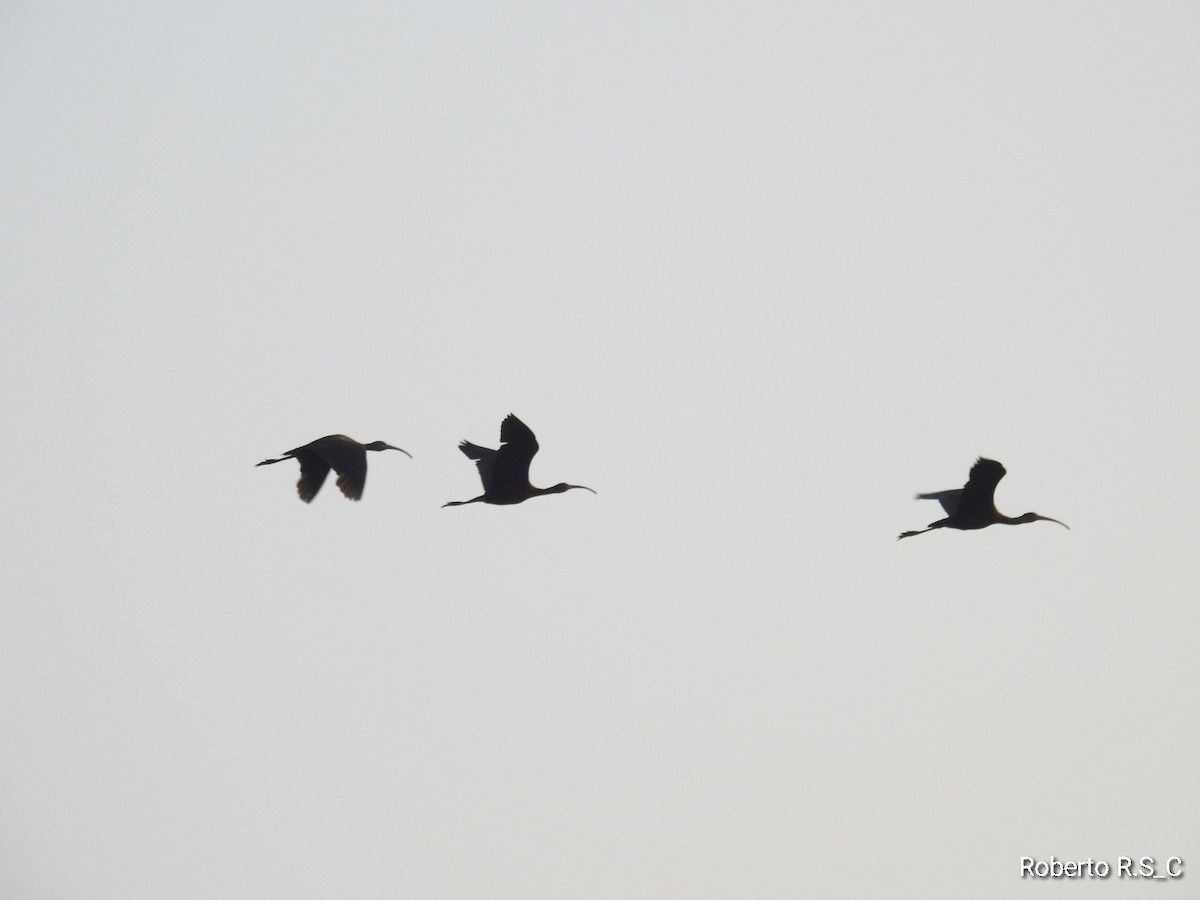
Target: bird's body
[344, 455]
[505, 472]
[973, 506]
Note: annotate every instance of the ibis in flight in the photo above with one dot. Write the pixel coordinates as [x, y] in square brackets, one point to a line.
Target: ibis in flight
[972, 506]
[344, 455]
[505, 472]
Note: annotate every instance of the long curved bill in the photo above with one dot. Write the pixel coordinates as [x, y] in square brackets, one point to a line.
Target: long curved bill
[1048, 519]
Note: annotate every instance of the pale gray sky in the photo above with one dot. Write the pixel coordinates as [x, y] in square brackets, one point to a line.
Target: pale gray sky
[755, 272]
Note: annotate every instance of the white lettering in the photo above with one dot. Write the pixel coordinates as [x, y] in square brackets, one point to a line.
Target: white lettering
[1063, 868]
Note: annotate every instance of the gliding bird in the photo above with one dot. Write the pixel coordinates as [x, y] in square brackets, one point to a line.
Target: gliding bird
[505, 472]
[972, 506]
[344, 455]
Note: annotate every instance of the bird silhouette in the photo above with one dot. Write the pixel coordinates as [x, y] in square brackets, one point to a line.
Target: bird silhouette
[344, 455]
[505, 472]
[972, 506]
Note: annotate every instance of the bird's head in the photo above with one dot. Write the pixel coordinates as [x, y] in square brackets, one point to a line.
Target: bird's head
[1034, 517]
[563, 486]
[384, 445]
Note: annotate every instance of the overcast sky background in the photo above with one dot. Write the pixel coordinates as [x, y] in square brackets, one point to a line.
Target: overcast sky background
[755, 272]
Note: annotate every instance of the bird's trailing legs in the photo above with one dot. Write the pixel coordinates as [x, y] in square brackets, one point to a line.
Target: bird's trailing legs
[939, 524]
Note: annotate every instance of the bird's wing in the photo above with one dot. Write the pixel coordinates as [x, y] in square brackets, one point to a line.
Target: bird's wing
[514, 431]
[349, 459]
[313, 470]
[948, 499]
[980, 488]
[485, 460]
[517, 449]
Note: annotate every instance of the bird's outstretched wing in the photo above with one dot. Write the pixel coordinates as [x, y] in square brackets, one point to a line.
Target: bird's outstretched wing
[979, 491]
[948, 499]
[517, 449]
[485, 460]
[349, 460]
[313, 470]
[517, 434]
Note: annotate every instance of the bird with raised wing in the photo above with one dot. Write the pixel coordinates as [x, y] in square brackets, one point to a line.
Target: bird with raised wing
[972, 506]
[344, 455]
[505, 472]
